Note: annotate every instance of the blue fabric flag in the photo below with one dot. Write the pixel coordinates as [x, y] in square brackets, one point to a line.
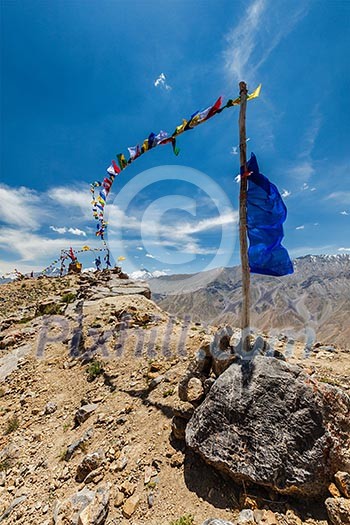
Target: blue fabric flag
[266, 212]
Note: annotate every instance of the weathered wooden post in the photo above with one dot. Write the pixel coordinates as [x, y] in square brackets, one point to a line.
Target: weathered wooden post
[245, 318]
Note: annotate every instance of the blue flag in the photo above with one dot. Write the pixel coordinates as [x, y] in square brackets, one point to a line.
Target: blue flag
[266, 212]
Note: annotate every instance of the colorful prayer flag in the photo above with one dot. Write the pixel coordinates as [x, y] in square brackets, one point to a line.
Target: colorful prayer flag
[266, 213]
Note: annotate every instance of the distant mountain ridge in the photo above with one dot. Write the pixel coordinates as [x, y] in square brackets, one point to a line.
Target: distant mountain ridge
[312, 303]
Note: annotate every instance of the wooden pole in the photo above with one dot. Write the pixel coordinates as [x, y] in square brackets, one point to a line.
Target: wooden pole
[245, 319]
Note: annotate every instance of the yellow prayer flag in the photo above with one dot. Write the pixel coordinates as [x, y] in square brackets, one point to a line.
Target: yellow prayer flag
[179, 129]
[255, 93]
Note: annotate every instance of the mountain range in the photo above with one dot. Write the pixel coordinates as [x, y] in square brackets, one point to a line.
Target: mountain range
[312, 304]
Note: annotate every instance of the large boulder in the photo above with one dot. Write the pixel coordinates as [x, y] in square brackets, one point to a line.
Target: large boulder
[267, 422]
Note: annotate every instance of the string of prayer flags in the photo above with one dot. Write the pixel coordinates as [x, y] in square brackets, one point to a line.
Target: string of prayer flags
[149, 143]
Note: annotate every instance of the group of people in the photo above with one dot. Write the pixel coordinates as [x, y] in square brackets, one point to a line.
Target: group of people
[107, 260]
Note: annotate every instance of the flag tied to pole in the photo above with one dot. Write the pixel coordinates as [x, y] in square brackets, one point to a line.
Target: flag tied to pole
[266, 213]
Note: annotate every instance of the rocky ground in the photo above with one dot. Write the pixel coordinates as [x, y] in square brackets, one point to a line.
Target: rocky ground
[89, 372]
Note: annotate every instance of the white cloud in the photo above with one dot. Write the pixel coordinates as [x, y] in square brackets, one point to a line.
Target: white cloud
[25, 212]
[344, 213]
[63, 229]
[305, 186]
[340, 196]
[68, 198]
[255, 36]
[139, 248]
[32, 246]
[150, 256]
[238, 178]
[161, 82]
[58, 229]
[77, 231]
[300, 227]
[343, 249]
[20, 207]
[286, 193]
[313, 189]
[234, 150]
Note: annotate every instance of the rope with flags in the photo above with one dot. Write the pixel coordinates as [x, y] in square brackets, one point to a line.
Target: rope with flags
[99, 200]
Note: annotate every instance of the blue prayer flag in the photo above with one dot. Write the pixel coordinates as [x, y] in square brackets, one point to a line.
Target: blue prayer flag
[266, 212]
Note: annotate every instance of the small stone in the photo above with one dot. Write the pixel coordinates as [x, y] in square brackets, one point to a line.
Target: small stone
[292, 518]
[334, 491]
[148, 474]
[342, 480]
[183, 410]
[269, 518]
[177, 460]
[131, 505]
[50, 408]
[338, 510]
[120, 464]
[127, 488]
[94, 476]
[84, 413]
[95, 513]
[195, 390]
[118, 498]
[178, 427]
[150, 500]
[258, 515]
[246, 517]
[73, 447]
[2, 478]
[155, 382]
[89, 463]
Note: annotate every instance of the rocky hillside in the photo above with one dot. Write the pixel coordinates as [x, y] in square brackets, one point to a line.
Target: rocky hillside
[312, 304]
[90, 419]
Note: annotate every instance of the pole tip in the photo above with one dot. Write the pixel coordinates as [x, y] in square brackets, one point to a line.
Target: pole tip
[242, 86]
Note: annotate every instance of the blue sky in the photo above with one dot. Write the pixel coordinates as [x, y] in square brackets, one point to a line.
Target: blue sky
[79, 85]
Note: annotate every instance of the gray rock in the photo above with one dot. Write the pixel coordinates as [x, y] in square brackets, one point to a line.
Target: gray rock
[89, 463]
[246, 516]
[50, 408]
[155, 382]
[178, 427]
[84, 413]
[338, 510]
[263, 421]
[15, 502]
[222, 353]
[73, 447]
[86, 507]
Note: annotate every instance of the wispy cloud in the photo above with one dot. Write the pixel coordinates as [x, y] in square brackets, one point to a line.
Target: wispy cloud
[20, 207]
[340, 196]
[32, 246]
[162, 83]
[285, 194]
[26, 217]
[149, 255]
[300, 227]
[343, 249]
[256, 35]
[344, 213]
[304, 167]
[64, 229]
